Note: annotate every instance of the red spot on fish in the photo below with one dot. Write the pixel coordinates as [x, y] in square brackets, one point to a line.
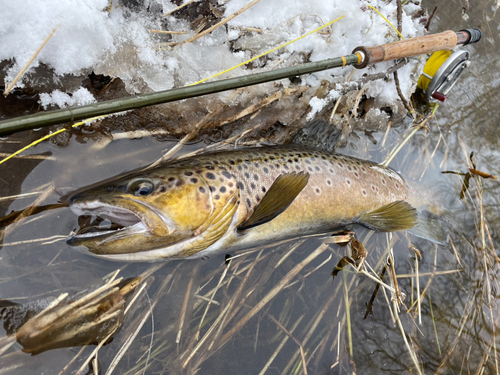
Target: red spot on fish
[383, 181]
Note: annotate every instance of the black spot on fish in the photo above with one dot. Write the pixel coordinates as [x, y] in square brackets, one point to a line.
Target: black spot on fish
[341, 165]
[349, 168]
[210, 168]
[245, 166]
[329, 182]
[217, 197]
[194, 180]
[226, 174]
[286, 167]
[210, 176]
[296, 160]
[263, 189]
[231, 162]
[230, 184]
[317, 190]
[308, 162]
[212, 188]
[323, 158]
[179, 183]
[239, 167]
[188, 173]
[297, 167]
[199, 171]
[171, 179]
[257, 198]
[266, 170]
[247, 175]
[317, 168]
[231, 192]
[289, 161]
[363, 192]
[249, 204]
[256, 177]
[356, 174]
[252, 186]
[163, 189]
[202, 189]
[240, 186]
[310, 169]
[271, 157]
[222, 189]
[256, 165]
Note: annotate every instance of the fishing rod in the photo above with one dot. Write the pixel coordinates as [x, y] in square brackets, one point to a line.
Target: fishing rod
[437, 79]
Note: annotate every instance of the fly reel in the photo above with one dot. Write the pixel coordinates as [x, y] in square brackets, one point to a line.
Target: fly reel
[444, 68]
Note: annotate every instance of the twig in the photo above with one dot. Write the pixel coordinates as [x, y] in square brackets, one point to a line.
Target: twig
[400, 93]
[184, 305]
[167, 32]
[219, 24]
[280, 346]
[197, 335]
[179, 7]
[25, 67]
[426, 27]
[304, 369]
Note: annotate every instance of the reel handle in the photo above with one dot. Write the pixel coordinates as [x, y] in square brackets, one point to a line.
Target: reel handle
[416, 46]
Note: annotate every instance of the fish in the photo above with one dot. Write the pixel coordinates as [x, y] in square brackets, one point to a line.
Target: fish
[231, 200]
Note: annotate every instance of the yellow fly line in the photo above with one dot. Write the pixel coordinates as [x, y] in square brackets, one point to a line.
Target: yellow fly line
[386, 20]
[192, 84]
[268, 52]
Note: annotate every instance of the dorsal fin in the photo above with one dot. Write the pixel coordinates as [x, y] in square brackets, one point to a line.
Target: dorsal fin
[392, 217]
[280, 195]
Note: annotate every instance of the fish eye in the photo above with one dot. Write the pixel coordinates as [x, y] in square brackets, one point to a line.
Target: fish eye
[141, 188]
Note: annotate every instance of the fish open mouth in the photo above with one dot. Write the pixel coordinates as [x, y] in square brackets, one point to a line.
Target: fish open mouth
[101, 220]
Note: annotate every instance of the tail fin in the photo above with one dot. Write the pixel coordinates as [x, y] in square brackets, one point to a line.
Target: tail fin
[430, 228]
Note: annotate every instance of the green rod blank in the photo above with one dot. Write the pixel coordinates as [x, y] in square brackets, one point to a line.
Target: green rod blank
[123, 104]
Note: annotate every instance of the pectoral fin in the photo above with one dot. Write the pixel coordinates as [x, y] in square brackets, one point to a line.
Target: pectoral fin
[217, 225]
[277, 199]
[390, 218]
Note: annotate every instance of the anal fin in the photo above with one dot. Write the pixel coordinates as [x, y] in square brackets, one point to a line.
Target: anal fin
[392, 217]
[280, 195]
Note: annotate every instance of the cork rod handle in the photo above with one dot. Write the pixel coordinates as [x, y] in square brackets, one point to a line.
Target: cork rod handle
[406, 48]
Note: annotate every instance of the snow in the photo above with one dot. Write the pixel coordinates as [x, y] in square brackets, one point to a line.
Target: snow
[117, 41]
[80, 97]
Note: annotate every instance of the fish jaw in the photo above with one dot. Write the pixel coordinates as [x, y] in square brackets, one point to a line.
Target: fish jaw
[142, 226]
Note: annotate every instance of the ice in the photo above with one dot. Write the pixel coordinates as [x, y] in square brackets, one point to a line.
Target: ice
[91, 35]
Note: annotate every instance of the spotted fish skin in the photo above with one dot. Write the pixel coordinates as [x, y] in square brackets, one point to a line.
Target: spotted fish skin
[188, 194]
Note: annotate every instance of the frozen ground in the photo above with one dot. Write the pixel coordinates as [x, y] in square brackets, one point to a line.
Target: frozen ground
[115, 39]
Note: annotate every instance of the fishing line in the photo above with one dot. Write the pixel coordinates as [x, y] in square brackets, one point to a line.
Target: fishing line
[192, 84]
[436, 60]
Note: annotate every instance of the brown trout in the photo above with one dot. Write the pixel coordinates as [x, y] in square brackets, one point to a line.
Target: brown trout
[229, 200]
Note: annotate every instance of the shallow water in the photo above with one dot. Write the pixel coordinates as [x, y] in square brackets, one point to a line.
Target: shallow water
[459, 312]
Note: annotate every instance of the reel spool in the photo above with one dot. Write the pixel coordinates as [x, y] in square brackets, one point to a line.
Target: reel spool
[441, 72]
[443, 69]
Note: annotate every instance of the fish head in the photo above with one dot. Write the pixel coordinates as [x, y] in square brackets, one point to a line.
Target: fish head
[142, 211]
